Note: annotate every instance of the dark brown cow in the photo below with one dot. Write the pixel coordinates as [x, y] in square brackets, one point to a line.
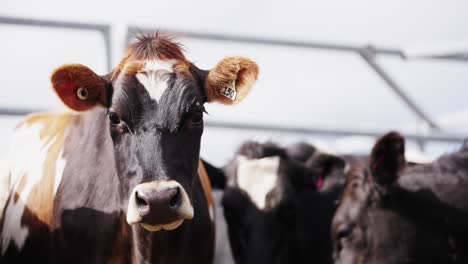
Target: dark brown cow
[394, 213]
[116, 181]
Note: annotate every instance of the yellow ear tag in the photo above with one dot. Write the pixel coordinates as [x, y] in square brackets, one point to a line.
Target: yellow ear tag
[229, 90]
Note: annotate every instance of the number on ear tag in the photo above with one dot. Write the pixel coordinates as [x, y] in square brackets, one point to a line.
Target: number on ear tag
[230, 90]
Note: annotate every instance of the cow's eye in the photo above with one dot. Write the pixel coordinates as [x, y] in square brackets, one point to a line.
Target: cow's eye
[114, 119]
[345, 231]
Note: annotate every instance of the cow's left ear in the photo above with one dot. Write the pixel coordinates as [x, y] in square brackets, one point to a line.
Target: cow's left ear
[230, 80]
[323, 166]
[79, 87]
[388, 158]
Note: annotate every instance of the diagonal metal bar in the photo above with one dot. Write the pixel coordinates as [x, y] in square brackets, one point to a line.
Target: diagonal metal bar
[368, 54]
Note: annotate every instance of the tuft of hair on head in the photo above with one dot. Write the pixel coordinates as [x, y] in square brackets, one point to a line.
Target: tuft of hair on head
[152, 46]
[156, 45]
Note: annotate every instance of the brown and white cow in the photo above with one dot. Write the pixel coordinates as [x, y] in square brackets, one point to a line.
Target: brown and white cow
[116, 180]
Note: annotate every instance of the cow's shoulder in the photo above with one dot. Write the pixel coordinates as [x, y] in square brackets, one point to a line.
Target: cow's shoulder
[34, 165]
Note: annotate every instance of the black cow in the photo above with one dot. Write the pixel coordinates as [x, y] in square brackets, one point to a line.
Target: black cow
[394, 213]
[277, 209]
[116, 181]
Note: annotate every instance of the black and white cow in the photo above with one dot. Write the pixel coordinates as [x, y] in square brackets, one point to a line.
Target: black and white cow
[116, 180]
[394, 213]
[278, 203]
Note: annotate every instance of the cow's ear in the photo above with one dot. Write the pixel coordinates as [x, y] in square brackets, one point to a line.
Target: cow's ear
[388, 158]
[230, 80]
[324, 165]
[79, 87]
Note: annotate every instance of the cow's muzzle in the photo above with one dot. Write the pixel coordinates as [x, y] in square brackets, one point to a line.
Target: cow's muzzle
[159, 205]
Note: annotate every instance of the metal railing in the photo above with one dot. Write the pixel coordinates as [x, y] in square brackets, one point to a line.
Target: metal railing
[368, 53]
[104, 29]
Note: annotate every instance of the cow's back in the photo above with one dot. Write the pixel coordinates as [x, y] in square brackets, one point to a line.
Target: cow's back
[33, 168]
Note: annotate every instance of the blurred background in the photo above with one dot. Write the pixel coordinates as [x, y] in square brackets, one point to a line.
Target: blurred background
[319, 64]
[332, 73]
[318, 81]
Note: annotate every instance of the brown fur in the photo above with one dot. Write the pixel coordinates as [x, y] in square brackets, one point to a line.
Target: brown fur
[40, 200]
[205, 182]
[121, 245]
[242, 70]
[67, 79]
[153, 47]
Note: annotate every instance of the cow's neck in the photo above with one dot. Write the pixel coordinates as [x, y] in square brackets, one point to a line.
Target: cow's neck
[158, 247]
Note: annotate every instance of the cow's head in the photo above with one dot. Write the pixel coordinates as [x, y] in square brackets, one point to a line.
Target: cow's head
[367, 228]
[155, 104]
[391, 211]
[273, 205]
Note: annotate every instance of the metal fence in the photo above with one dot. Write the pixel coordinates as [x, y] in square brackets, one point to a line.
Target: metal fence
[368, 54]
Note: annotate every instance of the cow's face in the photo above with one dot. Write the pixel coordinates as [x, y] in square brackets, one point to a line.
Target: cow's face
[155, 100]
[272, 207]
[368, 226]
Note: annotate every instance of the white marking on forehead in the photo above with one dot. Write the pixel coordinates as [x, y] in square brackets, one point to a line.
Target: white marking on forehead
[25, 160]
[257, 177]
[154, 76]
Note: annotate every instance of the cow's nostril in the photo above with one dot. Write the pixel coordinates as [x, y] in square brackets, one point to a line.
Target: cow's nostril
[175, 200]
[141, 202]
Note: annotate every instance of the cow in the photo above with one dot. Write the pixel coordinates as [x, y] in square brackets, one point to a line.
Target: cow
[391, 212]
[117, 179]
[278, 206]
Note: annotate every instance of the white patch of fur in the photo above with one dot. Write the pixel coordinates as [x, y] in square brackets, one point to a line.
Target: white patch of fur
[4, 185]
[59, 168]
[26, 159]
[211, 211]
[185, 209]
[154, 77]
[257, 177]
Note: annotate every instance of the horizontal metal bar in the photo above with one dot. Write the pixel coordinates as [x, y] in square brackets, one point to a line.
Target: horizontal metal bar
[53, 23]
[18, 111]
[132, 30]
[104, 29]
[330, 132]
[273, 128]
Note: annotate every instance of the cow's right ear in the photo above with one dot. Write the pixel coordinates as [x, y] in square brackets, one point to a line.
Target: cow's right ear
[388, 158]
[79, 87]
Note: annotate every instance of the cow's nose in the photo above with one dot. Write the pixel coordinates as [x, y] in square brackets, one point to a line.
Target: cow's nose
[153, 203]
[159, 205]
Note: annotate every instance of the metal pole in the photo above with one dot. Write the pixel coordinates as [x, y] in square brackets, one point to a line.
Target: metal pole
[132, 30]
[102, 28]
[450, 138]
[368, 54]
